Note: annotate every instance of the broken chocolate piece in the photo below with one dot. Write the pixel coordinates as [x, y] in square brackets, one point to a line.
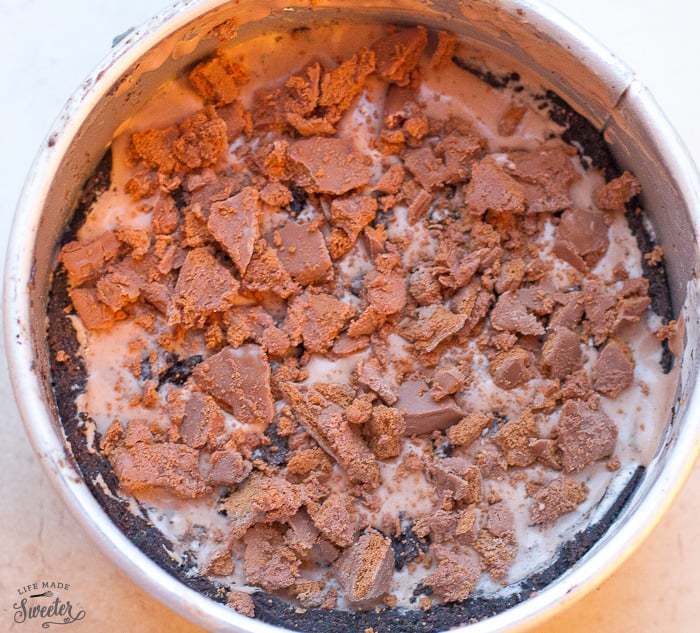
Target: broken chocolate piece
[584, 434]
[558, 497]
[613, 370]
[422, 413]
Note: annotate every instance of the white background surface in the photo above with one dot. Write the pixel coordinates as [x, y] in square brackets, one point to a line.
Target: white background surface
[47, 47]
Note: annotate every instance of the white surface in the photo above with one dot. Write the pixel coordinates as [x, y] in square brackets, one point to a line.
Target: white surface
[48, 47]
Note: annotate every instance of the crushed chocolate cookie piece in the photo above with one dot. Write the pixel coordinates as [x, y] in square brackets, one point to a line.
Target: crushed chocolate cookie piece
[241, 602]
[302, 251]
[85, 261]
[167, 466]
[384, 430]
[422, 413]
[492, 189]
[228, 468]
[329, 165]
[307, 461]
[327, 424]
[203, 287]
[613, 370]
[342, 84]
[235, 224]
[217, 80]
[514, 439]
[348, 217]
[335, 520]
[497, 552]
[455, 577]
[398, 54]
[559, 496]
[365, 570]
[371, 374]
[582, 238]
[239, 380]
[386, 290]
[316, 320]
[561, 353]
[424, 287]
[468, 429]
[584, 435]
[444, 50]
[269, 563]
[613, 195]
[512, 368]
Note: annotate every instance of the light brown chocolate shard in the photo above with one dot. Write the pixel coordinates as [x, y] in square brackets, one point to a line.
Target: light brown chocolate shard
[348, 217]
[167, 466]
[444, 50]
[423, 286]
[85, 262]
[203, 287]
[424, 414]
[342, 84]
[513, 316]
[500, 520]
[447, 381]
[241, 602]
[265, 272]
[303, 253]
[434, 325]
[216, 80]
[202, 421]
[514, 439]
[456, 478]
[327, 424]
[582, 238]
[559, 496]
[492, 189]
[455, 576]
[546, 175]
[512, 368]
[197, 142]
[269, 563]
[584, 434]
[94, 314]
[235, 224]
[316, 319]
[391, 180]
[239, 380]
[384, 430]
[386, 291]
[329, 165]
[468, 429]
[365, 570]
[228, 468]
[613, 195]
[119, 286]
[613, 370]
[496, 551]
[511, 118]
[260, 498]
[448, 163]
[373, 376]
[335, 520]
[561, 353]
[346, 345]
[399, 53]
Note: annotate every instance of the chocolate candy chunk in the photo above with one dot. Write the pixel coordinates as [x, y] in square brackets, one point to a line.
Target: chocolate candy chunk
[228, 467]
[399, 53]
[613, 371]
[365, 570]
[512, 315]
[512, 368]
[582, 238]
[492, 189]
[316, 319]
[167, 466]
[584, 434]
[455, 577]
[558, 497]
[235, 224]
[94, 314]
[269, 563]
[468, 429]
[265, 272]
[203, 287]
[327, 424]
[384, 431]
[424, 414]
[456, 478]
[613, 195]
[302, 251]
[514, 439]
[239, 380]
[446, 381]
[86, 261]
[202, 421]
[561, 353]
[335, 520]
[372, 375]
[330, 165]
[348, 217]
[434, 325]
